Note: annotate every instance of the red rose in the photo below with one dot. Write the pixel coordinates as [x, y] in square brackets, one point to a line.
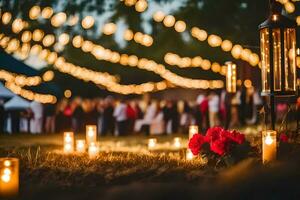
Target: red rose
[236, 137]
[219, 147]
[284, 137]
[214, 133]
[196, 143]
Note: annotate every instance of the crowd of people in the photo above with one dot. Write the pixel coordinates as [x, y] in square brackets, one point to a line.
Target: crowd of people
[129, 116]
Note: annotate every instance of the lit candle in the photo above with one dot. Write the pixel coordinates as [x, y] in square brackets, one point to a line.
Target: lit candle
[93, 150]
[68, 142]
[91, 134]
[152, 143]
[177, 142]
[9, 173]
[193, 129]
[80, 146]
[269, 146]
[189, 155]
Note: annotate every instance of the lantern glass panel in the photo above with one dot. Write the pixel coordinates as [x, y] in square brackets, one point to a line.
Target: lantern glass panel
[276, 35]
[265, 59]
[290, 61]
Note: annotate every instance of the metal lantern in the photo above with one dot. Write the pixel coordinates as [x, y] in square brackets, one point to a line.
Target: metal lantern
[278, 56]
[278, 53]
[231, 77]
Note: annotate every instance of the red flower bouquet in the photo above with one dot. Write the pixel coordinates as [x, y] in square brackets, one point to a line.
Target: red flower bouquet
[220, 140]
[217, 143]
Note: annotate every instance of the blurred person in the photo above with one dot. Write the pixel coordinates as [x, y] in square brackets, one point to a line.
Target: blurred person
[2, 116]
[186, 117]
[249, 109]
[49, 113]
[213, 106]
[36, 122]
[150, 114]
[234, 112]
[121, 118]
[167, 116]
[258, 102]
[132, 115]
[77, 117]
[107, 116]
[174, 117]
[90, 114]
[201, 111]
[242, 105]
[63, 116]
[100, 109]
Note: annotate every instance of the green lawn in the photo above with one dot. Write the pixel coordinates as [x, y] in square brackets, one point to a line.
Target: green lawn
[125, 170]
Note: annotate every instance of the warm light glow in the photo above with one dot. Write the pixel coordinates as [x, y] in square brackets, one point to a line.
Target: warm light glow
[158, 16]
[47, 12]
[214, 40]
[248, 83]
[48, 76]
[141, 6]
[68, 93]
[237, 51]
[177, 142]
[64, 38]
[193, 129]
[37, 35]
[201, 35]
[88, 22]
[68, 142]
[128, 35]
[169, 21]
[226, 45]
[77, 41]
[91, 134]
[152, 143]
[231, 77]
[109, 28]
[9, 181]
[6, 17]
[93, 150]
[269, 146]
[80, 146]
[34, 12]
[58, 19]
[48, 40]
[189, 154]
[26, 36]
[17, 25]
[180, 26]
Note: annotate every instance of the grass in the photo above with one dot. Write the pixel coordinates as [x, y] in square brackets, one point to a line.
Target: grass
[46, 173]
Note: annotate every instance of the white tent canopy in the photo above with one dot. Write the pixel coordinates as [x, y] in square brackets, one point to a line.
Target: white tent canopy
[17, 103]
[4, 92]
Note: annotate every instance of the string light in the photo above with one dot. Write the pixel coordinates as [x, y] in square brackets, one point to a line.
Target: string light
[174, 59]
[47, 12]
[109, 28]
[180, 26]
[48, 40]
[16, 82]
[169, 21]
[101, 53]
[6, 17]
[158, 68]
[213, 40]
[32, 96]
[17, 25]
[34, 12]
[138, 37]
[141, 5]
[58, 19]
[88, 22]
